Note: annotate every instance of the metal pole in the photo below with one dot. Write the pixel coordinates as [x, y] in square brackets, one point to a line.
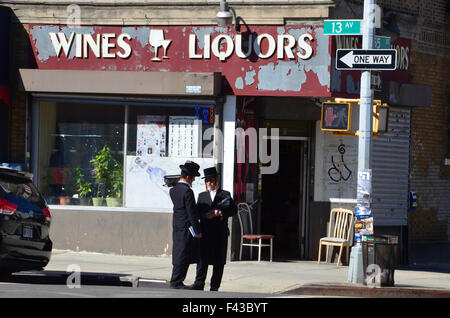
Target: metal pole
[366, 94]
[355, 273]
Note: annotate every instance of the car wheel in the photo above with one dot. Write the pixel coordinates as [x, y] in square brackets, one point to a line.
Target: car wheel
[5, 276]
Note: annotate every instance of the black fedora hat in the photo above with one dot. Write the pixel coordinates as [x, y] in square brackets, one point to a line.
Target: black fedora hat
[190, 168]
[210, 173]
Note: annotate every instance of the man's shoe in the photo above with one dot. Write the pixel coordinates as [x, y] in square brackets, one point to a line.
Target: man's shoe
[197, 287]
[180, 286]
[214, 289]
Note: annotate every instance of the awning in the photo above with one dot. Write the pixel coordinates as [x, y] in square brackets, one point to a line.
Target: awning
[121, 82]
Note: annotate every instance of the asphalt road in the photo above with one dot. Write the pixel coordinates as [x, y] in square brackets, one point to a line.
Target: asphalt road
[31, 294]
[23, 290]
[56, 284]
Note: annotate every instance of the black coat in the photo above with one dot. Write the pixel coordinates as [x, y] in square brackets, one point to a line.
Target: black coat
[215, 231]
[185, 249]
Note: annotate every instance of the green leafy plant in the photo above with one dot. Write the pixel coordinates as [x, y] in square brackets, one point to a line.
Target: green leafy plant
[108, 171]
[83, 187]
[117, 181]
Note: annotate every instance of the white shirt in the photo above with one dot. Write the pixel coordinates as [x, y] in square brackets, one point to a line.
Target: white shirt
[212, 193]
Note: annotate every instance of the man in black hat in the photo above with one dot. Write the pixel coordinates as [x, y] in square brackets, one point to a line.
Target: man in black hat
[215, 206]
[186, 226]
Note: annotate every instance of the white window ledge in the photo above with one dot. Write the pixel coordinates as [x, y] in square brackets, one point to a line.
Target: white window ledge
[107, 209]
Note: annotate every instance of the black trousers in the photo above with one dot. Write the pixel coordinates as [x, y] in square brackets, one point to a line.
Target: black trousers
[216, 279]
[179, 272]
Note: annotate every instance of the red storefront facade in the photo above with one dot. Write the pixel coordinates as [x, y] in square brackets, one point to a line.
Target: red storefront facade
[261, 77]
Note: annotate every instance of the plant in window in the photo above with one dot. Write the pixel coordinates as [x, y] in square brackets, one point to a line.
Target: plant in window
[116, 185]
[83, 187]
[108, 172]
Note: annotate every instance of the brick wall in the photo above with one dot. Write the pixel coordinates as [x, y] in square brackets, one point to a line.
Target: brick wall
[21, 58]
[430, 178]
[430, 11]
[426, 23]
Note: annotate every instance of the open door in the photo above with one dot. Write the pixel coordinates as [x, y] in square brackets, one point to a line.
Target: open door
[284, 199]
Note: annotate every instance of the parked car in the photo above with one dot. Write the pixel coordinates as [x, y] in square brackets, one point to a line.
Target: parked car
[24, 223]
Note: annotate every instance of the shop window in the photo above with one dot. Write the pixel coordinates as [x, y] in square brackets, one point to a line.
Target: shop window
[82, 159]
[71, 136]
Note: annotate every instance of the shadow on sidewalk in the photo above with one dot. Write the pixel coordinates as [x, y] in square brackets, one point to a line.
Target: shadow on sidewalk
[70, 278]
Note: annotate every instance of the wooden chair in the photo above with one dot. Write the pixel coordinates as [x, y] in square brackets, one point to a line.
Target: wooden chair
[247, 235]
[339, 232]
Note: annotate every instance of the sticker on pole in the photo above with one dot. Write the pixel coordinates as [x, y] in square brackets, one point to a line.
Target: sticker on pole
[366, 59]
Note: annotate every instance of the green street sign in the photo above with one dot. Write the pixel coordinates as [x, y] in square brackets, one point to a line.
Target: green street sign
[382, 42]
[342, 27]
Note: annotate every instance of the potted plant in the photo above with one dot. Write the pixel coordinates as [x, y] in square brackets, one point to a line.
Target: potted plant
[108, 172]
[83, 187]
[115, 186]
[100, 163]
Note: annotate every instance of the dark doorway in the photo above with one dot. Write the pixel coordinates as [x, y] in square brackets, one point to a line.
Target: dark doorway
[282, 200]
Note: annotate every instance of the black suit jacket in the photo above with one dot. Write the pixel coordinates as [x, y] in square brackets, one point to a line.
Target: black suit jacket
[185, 248]
[215, 231]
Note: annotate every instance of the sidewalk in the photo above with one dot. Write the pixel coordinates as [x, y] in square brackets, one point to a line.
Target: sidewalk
[244, 276]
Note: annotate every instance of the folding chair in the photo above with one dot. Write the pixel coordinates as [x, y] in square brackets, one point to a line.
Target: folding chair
[247, 235]
[339, 232]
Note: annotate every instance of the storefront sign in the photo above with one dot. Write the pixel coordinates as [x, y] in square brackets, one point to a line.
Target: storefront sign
[103, 44]
[263, 60]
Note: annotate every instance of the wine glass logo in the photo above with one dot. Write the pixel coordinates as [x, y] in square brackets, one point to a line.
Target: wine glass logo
[156, 39]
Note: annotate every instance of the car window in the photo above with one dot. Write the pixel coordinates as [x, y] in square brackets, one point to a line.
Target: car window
[14, 190]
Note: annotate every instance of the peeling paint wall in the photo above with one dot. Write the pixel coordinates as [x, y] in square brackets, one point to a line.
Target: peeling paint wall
[251, 75]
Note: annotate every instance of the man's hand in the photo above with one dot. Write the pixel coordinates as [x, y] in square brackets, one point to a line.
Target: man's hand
[214, 214]
[210, 216]
[199, 235]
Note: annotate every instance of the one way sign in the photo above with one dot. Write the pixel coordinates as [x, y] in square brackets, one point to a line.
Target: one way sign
[366, 59]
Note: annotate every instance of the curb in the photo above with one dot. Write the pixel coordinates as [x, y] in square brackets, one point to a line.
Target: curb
[367, 292]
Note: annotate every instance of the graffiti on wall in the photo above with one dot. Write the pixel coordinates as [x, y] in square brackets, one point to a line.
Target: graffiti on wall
[339, 171]
[336, 164]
